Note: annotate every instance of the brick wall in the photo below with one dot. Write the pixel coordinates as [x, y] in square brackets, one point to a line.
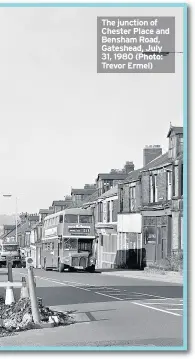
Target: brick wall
[115, 210]
[145, 188]
[176, 173]
[175, 230]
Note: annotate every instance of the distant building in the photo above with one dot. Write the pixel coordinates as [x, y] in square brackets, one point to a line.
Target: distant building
[78, 195]
[33, 219]
[106, 181]
[60, 205]
[150, 153]
[7, 228]
[43, 213]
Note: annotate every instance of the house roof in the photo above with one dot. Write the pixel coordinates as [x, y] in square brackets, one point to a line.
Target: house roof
[33, 218]
[22, 228]
[42, 211]
[112, 176]
[60, 203]
[110, 193]
[176, 129]
[9, 226]
[133, 176]
[158, 162]
[84, 191]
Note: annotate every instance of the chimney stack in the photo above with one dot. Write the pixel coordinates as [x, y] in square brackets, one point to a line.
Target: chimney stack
[150, 152]
[129, 167]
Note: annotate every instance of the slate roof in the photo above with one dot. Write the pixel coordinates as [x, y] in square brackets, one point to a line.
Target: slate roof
[60, 203]
[42, 211]
[112, 176]
[9, 226]
[110, 193]
[22, 228]
[33, 218]
[85, 191]
[176, 129]
[156, 163]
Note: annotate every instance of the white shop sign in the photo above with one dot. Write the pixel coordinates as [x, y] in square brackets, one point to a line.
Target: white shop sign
[51, 232]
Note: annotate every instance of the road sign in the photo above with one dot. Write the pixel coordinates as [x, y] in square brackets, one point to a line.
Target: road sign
[29, 262]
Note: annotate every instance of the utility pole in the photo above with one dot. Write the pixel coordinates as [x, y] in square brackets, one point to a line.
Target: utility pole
[16, 219]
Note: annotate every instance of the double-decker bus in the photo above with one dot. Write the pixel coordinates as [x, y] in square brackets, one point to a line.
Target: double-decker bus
[68, 240]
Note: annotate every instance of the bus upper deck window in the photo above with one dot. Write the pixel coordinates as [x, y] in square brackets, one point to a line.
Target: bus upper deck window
[71, 218]
[85, 219]
[61, 218]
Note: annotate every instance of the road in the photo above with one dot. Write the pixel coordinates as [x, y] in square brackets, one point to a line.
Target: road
[109, 311]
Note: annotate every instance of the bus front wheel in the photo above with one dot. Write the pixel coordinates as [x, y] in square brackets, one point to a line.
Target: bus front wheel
[91, 269]
[60, 267]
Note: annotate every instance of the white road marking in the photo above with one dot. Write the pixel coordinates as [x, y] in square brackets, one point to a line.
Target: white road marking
[163, 299]
[58, 282]
[158, 303]
[174, 309]
[109, 289]
[110, 296]
[149, 295]
[157, 309]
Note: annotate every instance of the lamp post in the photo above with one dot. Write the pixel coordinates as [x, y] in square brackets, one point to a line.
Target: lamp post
[16, 213]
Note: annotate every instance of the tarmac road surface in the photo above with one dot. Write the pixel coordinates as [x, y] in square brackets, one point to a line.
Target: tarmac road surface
[109, 311]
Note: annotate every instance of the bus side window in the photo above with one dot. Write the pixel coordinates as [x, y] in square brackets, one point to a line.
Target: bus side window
[61, 218]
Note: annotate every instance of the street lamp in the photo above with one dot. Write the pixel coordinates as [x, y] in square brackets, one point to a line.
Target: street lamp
[16, 213]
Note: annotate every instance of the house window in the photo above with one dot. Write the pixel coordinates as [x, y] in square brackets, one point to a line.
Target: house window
[173, 181]
[182, 179]
[155, 189]
[100, 212]
[169, 185]
[180, 145]
[170, 147]
[121, 199]
[151, 190]
[132, 199]
[108, 211]
[112, 211]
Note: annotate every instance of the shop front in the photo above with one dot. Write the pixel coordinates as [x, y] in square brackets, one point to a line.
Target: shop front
[157, 236]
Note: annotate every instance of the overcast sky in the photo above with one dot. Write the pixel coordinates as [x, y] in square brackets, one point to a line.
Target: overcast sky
[61, 122]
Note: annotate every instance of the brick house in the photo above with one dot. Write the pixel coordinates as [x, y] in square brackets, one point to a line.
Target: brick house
[60, 205]
[106, 228]
[7, 228]
[106, 181]
[79, 195]
[156, 192]
[150, 210]
[105, 214]
[129, 226]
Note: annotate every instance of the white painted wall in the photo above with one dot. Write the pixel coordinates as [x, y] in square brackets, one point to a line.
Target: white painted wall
[130, 222]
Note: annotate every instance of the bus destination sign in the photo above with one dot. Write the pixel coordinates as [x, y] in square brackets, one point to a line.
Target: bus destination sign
[83, 231]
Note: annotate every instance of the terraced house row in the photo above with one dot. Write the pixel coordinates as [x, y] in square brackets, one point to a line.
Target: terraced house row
[138, 212]
[144, 210]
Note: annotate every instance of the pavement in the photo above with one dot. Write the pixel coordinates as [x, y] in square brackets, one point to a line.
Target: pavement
[109, 311]
[171, 277]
